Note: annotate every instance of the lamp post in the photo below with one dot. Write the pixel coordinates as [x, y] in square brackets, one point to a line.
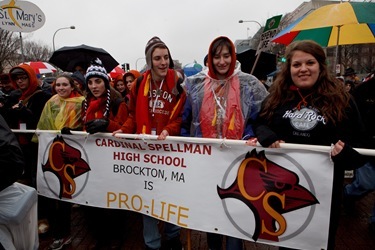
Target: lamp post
[136, 62]
[250, 21]
[260, 27]
[54, 34]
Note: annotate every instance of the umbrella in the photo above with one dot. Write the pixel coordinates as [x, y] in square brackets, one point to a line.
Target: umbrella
[116, 72]
[66, 58]
[192, 68]
[333, 25]
[41, 67]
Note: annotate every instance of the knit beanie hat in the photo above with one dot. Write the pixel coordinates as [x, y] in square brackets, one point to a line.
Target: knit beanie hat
[17, 71]
[96, 69]
[150, 47]
[79, 77]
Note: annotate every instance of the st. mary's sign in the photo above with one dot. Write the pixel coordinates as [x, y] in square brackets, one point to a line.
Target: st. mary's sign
[20, 16]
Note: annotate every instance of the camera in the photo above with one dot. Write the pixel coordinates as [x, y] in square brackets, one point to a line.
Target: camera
[10, 99]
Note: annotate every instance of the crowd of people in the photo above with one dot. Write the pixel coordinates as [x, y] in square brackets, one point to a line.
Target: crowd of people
[221, 101]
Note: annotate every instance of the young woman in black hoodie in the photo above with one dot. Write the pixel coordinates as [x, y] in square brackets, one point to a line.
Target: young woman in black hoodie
[307, 106]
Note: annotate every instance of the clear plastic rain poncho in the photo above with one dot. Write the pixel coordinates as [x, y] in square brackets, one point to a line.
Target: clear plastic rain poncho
[222, 108]
[61, 112]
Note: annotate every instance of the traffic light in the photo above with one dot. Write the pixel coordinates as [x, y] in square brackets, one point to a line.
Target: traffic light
[125, 67]
[280, 57]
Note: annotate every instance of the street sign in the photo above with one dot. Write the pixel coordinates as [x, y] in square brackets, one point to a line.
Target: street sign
[269, 32]
[338, 68]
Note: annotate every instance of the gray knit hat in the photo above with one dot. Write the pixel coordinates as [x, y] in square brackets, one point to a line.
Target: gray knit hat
[150, 47]
[79, 77]
[96, 69]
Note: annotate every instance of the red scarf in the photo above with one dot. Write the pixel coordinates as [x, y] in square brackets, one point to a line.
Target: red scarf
[96, 108]
[233, 124]
[142, 106]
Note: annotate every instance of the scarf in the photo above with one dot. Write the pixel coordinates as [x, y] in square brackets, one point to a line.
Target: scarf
[143, 116]
[96, 108]
[233, 122]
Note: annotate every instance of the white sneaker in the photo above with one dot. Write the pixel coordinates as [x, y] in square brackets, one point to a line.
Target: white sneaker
[60, 243]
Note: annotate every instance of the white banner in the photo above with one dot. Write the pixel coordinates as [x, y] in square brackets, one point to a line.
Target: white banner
[271, 196]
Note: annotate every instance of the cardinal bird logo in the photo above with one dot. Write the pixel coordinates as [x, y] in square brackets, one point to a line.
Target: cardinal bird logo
[65, 162]
[269, 190]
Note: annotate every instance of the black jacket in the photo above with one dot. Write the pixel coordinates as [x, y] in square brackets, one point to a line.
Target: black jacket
[11, 158]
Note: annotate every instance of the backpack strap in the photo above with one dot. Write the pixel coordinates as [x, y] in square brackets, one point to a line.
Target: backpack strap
[138, 84]
[26, 100]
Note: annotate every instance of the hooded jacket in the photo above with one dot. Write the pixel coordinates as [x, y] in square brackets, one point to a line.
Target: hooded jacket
[133, 72]
[32, 101]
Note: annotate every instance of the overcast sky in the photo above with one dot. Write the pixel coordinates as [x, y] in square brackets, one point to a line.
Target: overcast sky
[123, 27]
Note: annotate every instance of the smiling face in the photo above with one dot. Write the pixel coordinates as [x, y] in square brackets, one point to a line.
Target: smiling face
[96, 86]
[304, 69]
[63, 87]
[221, 61]
[160, 63]
[120, 86]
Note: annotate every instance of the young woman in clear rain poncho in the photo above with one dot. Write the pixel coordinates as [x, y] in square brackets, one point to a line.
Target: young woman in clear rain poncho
[64, 108]
[222, 102]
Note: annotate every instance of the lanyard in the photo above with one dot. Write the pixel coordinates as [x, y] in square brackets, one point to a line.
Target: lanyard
[157, 97]
[220, 115]
[218, 101]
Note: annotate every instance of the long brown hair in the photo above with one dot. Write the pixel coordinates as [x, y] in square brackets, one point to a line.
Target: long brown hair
[327, 95]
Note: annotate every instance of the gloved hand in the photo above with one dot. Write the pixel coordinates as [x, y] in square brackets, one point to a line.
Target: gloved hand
[66, 131]
[20, 110]
[96, 125]
[349, 158]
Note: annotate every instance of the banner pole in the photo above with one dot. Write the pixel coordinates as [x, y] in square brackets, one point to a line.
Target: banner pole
[255, 63]
[224, 142]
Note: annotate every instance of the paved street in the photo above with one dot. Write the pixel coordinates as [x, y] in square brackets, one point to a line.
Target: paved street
[353, 232]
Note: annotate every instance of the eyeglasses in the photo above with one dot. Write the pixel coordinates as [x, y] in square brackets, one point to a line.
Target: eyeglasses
[23, 78]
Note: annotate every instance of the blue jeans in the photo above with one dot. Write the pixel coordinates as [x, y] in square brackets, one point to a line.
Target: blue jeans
[363, 183]
[151, 234]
